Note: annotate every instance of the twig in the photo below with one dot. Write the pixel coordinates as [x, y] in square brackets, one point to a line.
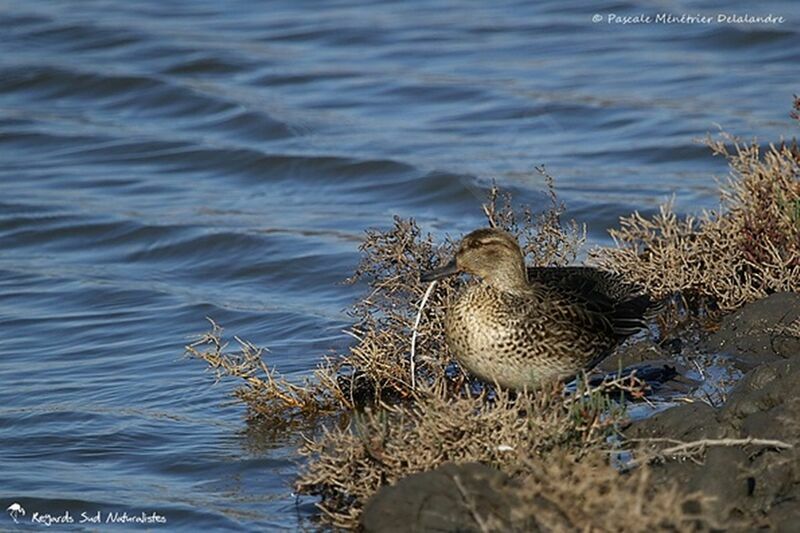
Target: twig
[489, 208]
[689, 449]
[352, 334]
[699, 369]
[470, 505]
[414, 334]
[619, 382]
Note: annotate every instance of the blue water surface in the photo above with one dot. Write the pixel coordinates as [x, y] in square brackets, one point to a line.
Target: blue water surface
[167, 161]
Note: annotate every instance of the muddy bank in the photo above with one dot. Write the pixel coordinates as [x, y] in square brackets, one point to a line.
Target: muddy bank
[753, 484]
[764, 331]
[448, 498]
[739, 485]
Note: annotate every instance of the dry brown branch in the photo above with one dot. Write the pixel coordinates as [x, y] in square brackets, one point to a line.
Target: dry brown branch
[791, 329]
[266, 394]
[418, 408]
[470, 503]
[749, 249]
[617, 383]
[695, 449]
[381, 446]
[545, 239]
[565, 494]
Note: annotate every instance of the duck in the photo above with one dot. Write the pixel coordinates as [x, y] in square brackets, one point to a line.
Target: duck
[520, 327]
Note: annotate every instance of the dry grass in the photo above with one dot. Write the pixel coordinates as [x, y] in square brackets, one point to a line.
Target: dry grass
[378, 367]
[562, 494]
[267, 395]
[546, 240]
[405, 418]
[750, 249]
[349, 464]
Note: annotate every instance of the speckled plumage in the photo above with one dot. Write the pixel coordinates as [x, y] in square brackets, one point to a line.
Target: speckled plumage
[521, 326]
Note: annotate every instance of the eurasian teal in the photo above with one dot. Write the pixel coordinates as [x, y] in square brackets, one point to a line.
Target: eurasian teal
[520, 326]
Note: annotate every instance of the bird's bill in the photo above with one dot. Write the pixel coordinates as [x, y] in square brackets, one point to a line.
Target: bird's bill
[448, 270]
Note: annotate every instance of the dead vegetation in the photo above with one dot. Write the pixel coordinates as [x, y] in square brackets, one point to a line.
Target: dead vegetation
[749, 249]
[268, 396]
[382, 445]
[545, 238]
[395, 428]
[405, 416]
[695, 450]
[562, 494]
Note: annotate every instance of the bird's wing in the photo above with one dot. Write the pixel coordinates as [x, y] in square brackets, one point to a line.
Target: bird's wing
[623, 304]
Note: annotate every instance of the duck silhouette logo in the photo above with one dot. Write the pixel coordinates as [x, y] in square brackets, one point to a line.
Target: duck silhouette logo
[15, 510]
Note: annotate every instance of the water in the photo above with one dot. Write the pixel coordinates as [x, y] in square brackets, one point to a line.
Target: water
[167, 161]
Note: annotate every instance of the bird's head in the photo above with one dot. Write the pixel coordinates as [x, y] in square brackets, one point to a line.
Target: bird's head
[491, 254]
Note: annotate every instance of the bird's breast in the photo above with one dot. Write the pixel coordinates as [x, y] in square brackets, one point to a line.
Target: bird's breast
[486, 337]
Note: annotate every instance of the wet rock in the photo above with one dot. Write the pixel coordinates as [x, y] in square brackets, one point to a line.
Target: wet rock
[674, 345]
[644, 351]
[450, 498]
[750, 484]
[744, 481]
[687, 422]
[644, 358]
[762, 395]
[757, 333]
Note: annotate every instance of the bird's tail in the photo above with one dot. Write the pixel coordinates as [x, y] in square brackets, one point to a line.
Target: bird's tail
[632, 314]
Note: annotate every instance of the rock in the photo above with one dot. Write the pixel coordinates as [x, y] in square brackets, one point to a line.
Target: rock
[743, 481]
[785, 516]
[752, 482]
[686, 422]
[644, 351]
[445, 499]
[757, 332]
[759, 397]
[719, 478]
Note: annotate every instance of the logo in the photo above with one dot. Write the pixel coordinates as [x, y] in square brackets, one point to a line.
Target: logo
[15, 510]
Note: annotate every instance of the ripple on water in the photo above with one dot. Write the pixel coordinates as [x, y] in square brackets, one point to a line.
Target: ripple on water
[164, 162]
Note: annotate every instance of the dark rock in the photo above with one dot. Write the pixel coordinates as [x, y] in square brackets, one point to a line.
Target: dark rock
[634, 354]
[754, 483]
[756, 333]
[674, 345]
[687, 422]
[718, 477]
[785, 516]
[751, 482]
[448, 498]
[691, 422]
[761, 396]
